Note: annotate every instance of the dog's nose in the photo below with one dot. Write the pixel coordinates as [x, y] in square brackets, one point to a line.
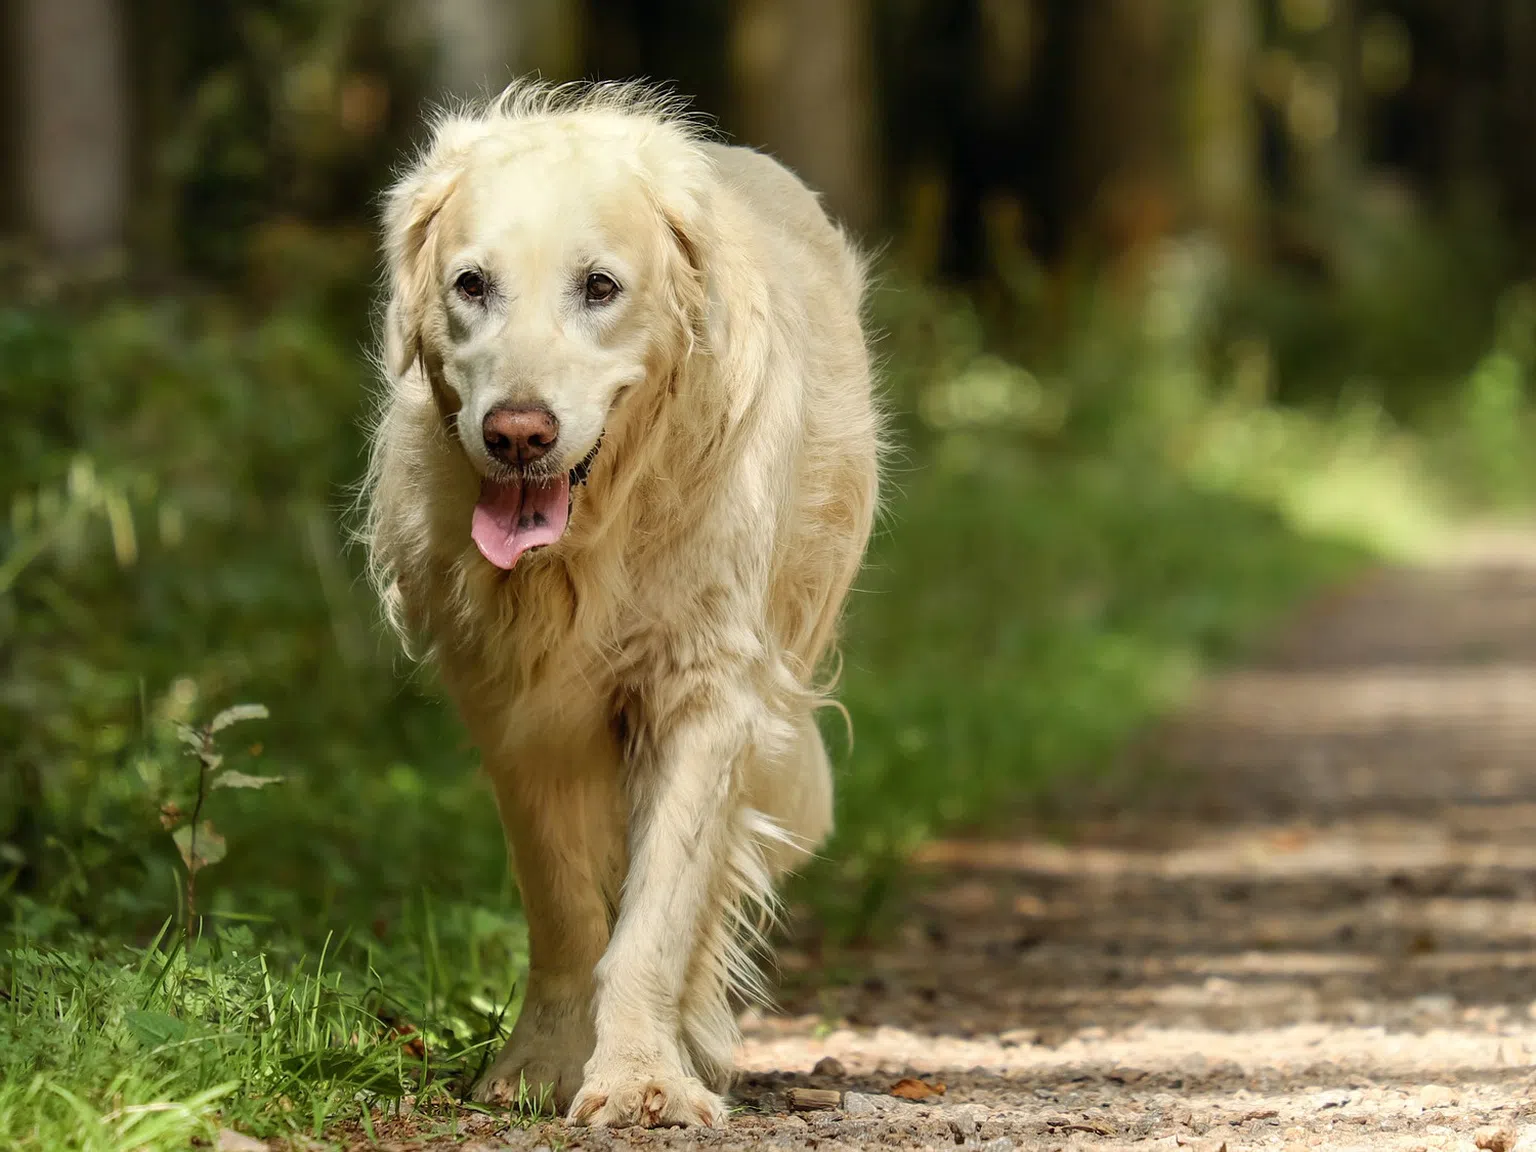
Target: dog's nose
[519, 435]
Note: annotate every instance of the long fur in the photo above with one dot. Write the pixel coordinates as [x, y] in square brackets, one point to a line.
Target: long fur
[643, 691]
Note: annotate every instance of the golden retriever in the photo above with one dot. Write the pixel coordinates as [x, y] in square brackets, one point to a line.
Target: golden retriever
[622, 479]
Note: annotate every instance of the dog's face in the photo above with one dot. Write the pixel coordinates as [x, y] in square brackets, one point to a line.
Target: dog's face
[545, 291]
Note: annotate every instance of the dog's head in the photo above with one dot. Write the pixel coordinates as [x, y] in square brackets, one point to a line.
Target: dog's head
[546, 263]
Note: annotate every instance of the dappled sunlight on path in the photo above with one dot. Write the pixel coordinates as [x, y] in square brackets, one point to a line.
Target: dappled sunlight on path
[1312, 924]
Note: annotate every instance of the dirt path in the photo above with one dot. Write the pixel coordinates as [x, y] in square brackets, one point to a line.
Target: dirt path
[1324, 935]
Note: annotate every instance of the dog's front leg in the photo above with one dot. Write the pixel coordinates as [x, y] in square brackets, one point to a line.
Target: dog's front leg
[684, 789]
[567, 832]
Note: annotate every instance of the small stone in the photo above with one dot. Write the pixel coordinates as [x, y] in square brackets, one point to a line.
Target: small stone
[829, 1066]
[1333, 1098]
[1436, 1096]
[1019, 1037]
[999, 1144]
[1494, 1139]
[859, 1104]
[1526, 1140]
[1435, 1004]
[965, 1119]
[232, 1141]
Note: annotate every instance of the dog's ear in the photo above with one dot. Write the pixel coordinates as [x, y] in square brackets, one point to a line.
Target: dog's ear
[681, 191]
[413, 206]
[411, 209]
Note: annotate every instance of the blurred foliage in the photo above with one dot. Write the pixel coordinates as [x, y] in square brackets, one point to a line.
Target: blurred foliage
[1069, 537]
[1072, 534]
[1113, 470]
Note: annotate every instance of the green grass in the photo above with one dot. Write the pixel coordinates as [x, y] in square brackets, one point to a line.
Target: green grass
[115, 1047]
[1076, 528]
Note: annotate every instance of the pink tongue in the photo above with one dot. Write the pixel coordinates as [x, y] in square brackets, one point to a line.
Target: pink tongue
[512, 518]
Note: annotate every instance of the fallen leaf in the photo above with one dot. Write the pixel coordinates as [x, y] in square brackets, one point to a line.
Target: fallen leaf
[1290, 839]
[412, 1047]
[909, 1089]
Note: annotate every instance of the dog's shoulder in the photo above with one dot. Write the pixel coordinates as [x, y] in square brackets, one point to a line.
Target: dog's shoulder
[787, 216]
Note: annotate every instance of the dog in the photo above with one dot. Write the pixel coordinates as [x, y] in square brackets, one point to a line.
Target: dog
[622, 479]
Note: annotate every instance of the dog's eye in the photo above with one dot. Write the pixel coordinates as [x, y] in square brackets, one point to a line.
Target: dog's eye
[601, 288]
[471, 285]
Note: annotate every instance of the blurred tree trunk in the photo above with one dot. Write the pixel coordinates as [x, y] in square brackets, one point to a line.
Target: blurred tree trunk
[1333, 139]
[1518, 114]
[1222, 148]
[11, 216]
[482, 45]
[1122, 123]
[157, 35]
[804, 92]
[74, 134]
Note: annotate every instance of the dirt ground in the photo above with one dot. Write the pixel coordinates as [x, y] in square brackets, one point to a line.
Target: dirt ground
[1318, 931]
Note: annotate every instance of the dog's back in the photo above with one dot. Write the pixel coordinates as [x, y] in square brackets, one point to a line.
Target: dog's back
[819, 279]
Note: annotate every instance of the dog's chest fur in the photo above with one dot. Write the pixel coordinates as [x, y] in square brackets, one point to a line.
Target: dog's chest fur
[538, 673]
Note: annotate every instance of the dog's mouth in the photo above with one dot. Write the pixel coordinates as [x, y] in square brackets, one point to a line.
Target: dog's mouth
[525, 511]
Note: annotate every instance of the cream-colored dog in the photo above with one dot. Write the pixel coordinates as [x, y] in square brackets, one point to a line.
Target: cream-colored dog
[623, 478]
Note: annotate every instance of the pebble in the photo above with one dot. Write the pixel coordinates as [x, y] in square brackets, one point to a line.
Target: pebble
[965, 1119]
[1333, 1098]
[1436, 1096]
[1494, 1139]
[1000, 1144]
[232, 1141]
[1435, 1005]
[829, 1066]
[859, 1104]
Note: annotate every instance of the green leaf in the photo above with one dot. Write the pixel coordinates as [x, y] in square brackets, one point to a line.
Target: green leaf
[234, 779]
[154, 1027]
[236, 714]
[210, 847]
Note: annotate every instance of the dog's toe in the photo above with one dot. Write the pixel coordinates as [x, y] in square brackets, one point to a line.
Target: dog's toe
[649, 1102]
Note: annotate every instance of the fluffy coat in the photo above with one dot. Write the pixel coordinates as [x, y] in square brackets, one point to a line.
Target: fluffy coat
[643, 689]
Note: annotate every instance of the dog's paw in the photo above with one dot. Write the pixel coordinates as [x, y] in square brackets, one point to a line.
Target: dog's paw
[534, 1088]
[533, 1077]
[663, 1101]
